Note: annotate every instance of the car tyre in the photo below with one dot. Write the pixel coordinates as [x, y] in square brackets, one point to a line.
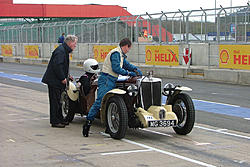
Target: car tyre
[116, 117]
[184, 109]
[68, 107]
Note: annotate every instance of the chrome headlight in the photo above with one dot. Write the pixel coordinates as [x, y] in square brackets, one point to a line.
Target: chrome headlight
[168, 89]
[132, 90]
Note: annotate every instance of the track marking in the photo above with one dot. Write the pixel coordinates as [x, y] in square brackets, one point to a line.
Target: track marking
[126, 152]
[164, 152]
[222, 131]
[21, 75]
[159, 133]
[247, 118]
[200, 144]
[217, 103]
[239, 161]
[13, 114]
[19, 80]
[33, 119]
[164, 134]
[11, 140]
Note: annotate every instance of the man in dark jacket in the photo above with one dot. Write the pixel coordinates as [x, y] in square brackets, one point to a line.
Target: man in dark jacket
[55, 77]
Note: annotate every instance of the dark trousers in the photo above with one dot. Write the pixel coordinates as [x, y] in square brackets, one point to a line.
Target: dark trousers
[55, 105]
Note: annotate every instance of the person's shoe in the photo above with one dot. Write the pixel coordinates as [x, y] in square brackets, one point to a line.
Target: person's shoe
[107, 131]
[65, 122]
[60, 125]
[85, 128]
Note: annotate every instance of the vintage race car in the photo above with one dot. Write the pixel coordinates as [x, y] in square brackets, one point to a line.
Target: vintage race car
[135, 103]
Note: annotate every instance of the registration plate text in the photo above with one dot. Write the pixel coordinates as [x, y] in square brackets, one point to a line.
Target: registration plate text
[162, 123]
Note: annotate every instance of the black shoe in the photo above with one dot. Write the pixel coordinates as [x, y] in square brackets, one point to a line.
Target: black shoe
[85, 128]
[60, 125]
[65, 122]
[107, 131]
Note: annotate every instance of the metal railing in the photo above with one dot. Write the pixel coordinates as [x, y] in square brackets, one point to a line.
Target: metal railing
[231, 24]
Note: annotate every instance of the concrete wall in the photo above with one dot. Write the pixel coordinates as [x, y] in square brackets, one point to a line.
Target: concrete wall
[204, 65]
[200, 52]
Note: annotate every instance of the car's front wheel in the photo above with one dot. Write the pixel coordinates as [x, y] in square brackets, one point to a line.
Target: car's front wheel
[116, 117]
[183, 107]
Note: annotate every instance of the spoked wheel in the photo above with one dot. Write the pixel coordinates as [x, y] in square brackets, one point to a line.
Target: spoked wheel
[68, 107]
[116, 117]
[183, 107]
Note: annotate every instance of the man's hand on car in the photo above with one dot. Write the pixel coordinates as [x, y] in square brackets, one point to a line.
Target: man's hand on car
[132, 74]
[64, 81]
[71, 78]
[138, 72]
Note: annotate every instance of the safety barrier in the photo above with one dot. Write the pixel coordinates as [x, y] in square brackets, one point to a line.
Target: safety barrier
[219, 25]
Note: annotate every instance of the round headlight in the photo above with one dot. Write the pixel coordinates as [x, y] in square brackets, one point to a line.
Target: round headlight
[168, 89]
[132, 90]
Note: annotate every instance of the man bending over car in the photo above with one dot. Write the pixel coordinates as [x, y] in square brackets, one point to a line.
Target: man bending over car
[115, 64]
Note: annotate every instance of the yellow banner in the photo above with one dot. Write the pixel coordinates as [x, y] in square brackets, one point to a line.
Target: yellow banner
[7, 50]
[101, 51]
[234, 56]
[31, 51]
[162, 55]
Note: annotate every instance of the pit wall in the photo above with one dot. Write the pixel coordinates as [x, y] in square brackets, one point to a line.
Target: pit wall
[204, 63]
[202, 54]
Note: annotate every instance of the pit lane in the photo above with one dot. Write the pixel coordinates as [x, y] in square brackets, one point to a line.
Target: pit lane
[28, 140]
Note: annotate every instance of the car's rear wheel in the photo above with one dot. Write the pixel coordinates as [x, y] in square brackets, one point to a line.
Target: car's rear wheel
[183, 107]
[68, 107]
[116, 117]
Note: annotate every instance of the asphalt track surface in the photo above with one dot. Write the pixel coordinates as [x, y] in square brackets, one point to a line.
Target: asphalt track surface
[221, 136]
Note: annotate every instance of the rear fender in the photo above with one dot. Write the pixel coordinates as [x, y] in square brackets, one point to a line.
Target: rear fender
[105, 99]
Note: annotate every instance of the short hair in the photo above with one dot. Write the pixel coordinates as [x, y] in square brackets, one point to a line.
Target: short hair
[70, 38]
[63, 33]
[125, 42]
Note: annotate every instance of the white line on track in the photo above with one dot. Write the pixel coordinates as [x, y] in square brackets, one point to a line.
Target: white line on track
[222, 131]
[13, 114]
[247, 118]
[21, 75]
[33, 119]
[164, 134]
[217, 103]
[126, 152]
[18, 80]
[159, 133]
[165, 152]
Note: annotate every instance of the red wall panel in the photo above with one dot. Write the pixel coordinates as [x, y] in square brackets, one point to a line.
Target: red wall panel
[42, 10]
[6, 1]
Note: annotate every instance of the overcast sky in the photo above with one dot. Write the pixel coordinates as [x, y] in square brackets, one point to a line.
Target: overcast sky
[136, 7]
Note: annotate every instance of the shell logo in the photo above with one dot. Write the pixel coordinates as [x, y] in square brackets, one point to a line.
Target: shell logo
[148, 55]
[7, 50]
[224, 56]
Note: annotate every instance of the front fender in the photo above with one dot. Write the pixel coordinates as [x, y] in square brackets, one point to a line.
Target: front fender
[177, 91]
[183, 88]
[105, 99]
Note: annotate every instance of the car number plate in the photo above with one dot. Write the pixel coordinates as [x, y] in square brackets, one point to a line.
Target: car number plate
[161, 123]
